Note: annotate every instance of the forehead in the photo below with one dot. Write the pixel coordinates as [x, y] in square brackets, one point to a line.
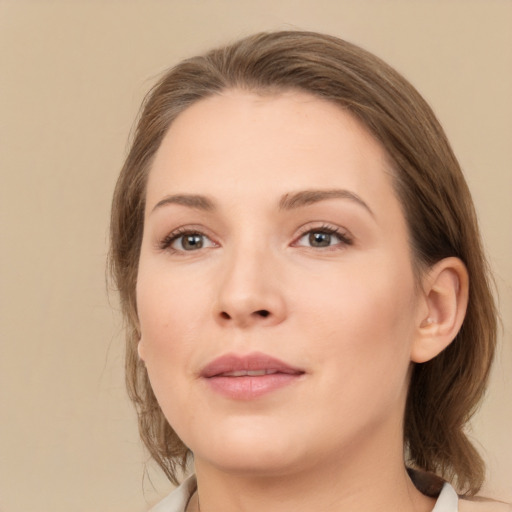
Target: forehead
[251, 144]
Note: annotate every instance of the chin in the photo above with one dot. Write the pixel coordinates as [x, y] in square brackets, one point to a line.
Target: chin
[249, 451]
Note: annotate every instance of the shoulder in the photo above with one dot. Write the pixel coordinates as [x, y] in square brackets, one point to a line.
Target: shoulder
[483, 505]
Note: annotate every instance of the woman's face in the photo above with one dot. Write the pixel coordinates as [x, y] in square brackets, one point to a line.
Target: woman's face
[275, 290]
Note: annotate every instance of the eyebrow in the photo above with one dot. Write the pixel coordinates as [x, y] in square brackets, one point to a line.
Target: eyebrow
[288, 201]
[307, 197]
[194, 201]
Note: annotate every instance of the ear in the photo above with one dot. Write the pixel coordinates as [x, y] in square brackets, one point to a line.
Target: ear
[140, 349]
[443, 307]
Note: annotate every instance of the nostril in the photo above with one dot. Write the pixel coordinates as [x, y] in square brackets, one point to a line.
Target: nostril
[262, 313]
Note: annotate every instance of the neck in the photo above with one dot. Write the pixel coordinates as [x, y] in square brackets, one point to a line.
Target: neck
[379, 483]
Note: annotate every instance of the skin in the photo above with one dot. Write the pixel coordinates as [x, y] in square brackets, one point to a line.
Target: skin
[349, 314]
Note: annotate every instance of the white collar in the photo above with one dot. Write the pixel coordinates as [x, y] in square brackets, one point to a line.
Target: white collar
[448, 500]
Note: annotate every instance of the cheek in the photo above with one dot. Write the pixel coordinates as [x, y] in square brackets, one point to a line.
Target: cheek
[168, 326]
[170, 314]
[362, 322]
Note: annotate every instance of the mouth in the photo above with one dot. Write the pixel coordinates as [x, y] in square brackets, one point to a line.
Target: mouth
[250, 376]
[249, 373]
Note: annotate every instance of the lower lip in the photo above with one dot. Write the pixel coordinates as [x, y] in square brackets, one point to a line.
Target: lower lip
[251, 387]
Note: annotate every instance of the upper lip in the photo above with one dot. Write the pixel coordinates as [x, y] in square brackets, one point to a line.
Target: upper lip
[256, 361]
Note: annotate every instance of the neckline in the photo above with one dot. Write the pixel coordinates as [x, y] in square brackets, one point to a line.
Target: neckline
[179, 499]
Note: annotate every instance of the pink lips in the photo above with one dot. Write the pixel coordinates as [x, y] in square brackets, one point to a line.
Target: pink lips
[250, 376]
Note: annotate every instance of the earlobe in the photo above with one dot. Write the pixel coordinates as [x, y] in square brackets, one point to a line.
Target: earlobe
[445, 295]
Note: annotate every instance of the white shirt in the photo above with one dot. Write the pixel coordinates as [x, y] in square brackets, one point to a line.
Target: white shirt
[178, 499]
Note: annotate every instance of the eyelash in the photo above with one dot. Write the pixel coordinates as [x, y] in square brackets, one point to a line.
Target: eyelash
[343, 237]
[166, 243]
[327, 229]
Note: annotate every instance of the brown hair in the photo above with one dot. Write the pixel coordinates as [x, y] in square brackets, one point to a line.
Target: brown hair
[445, 391]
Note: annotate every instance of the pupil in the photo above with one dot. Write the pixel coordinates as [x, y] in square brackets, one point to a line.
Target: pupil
[320, 239]
[192, 242]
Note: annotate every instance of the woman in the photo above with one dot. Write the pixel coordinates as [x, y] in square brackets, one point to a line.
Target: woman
[308, 306]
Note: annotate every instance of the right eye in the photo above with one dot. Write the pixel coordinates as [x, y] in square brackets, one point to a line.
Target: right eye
[186, 241]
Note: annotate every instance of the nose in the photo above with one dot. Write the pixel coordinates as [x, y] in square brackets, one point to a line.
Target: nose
[251, 291]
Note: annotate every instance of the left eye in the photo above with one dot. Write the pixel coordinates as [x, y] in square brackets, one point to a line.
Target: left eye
[319, 238]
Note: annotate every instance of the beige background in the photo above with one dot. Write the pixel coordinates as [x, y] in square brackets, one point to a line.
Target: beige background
[72, 74]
